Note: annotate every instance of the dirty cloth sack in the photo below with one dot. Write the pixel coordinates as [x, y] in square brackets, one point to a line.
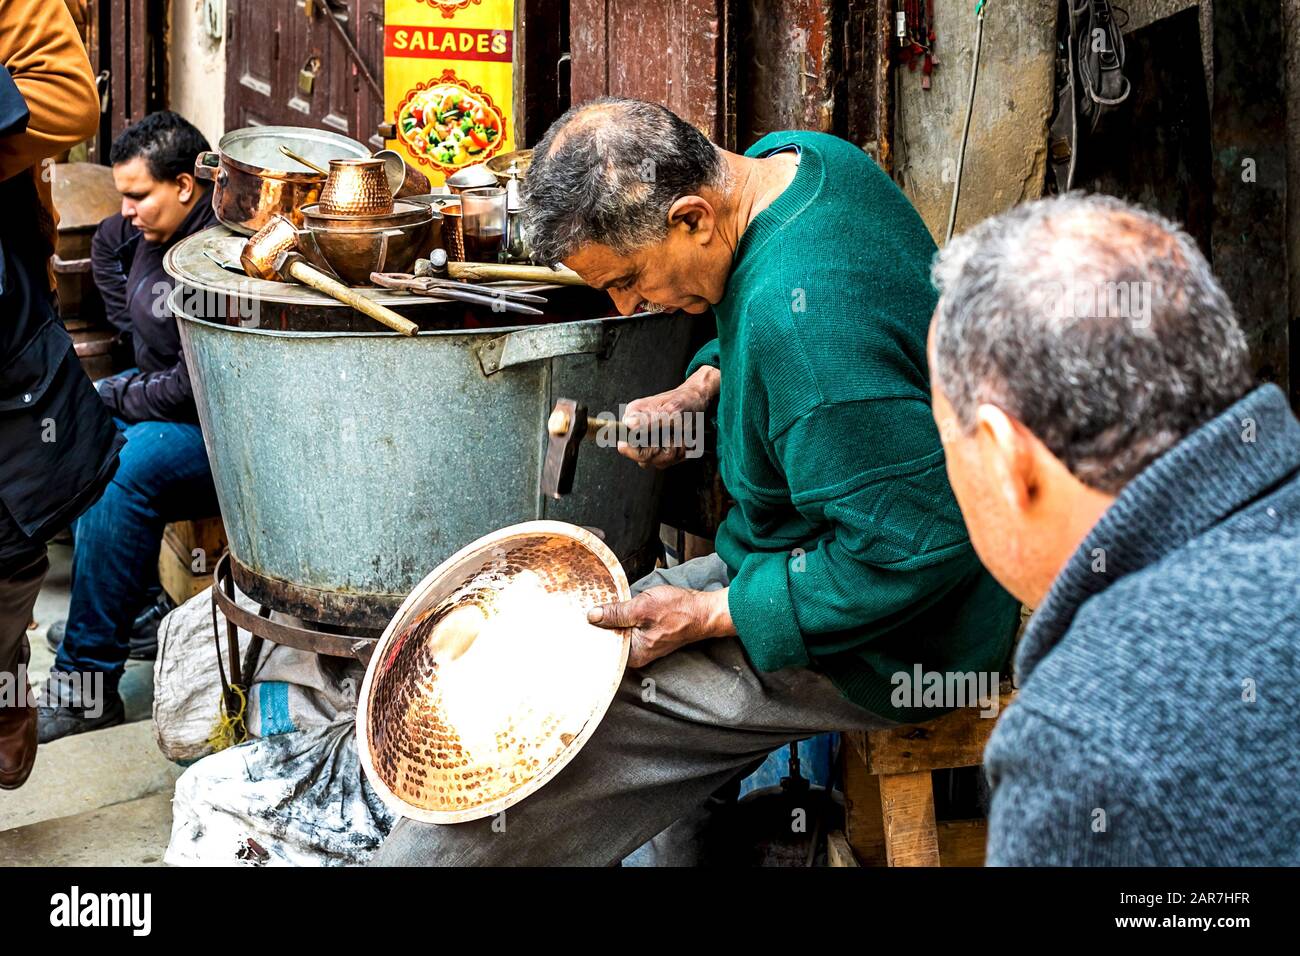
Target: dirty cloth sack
[294, 799]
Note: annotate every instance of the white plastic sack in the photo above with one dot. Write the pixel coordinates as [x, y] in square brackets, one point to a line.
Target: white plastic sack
[186, 682]
[296, 690]
[292, 689]
[295, 799]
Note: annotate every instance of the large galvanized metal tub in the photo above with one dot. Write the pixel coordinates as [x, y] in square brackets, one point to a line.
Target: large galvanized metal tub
[349, 464]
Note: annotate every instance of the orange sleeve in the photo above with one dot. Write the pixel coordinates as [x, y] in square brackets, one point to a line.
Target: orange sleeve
[43, 52]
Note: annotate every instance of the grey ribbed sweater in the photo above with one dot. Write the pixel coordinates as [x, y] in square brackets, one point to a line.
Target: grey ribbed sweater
[1158, 721]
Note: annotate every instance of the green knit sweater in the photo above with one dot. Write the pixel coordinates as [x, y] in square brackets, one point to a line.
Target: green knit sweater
[845, 544]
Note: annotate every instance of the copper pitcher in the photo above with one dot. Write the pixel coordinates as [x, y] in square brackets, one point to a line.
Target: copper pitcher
[357, 187]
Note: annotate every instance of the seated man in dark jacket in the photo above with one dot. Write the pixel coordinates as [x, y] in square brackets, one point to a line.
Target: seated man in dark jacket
[164, 474]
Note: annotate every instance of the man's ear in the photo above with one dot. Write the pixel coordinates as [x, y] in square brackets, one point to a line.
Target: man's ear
[695, 214]
[186, 187]
[1007, 452]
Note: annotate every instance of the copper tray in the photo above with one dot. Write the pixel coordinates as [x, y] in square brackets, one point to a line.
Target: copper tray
[489, 679]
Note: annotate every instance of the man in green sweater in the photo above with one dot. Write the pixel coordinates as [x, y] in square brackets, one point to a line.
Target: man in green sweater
[843, 572]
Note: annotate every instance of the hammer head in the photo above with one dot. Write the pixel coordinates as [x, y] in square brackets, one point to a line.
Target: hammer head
[263, 249]
[565, 429]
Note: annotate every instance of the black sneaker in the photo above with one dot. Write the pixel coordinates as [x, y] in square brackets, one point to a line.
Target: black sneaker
[62, 708]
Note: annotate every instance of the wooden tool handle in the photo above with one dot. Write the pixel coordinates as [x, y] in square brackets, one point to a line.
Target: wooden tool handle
[318, 280]
[488, 272]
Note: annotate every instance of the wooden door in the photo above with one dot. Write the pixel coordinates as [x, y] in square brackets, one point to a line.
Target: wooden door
[677, 53]
[738, 69]
[272, 42]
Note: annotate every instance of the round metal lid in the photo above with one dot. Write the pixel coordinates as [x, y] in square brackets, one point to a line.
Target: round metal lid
[258, 147]
[404, 213]
[489, 679]
[472, 177]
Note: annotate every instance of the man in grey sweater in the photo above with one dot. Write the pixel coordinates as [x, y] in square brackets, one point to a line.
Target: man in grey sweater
[1119, 474]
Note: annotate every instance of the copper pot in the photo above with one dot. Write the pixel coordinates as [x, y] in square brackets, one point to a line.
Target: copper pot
[253, 181]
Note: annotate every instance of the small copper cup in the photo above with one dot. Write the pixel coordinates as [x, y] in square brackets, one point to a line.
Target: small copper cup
[357, 187]
[453, 230]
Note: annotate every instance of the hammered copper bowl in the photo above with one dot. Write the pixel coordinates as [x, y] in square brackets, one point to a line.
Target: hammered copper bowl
[355, 246]
[357, 187]
[489, 679]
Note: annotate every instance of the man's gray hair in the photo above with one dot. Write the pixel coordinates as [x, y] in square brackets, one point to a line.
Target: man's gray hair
[1095, 323]
[608, 171]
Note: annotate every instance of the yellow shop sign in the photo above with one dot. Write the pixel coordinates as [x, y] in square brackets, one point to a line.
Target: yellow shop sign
[449, 81]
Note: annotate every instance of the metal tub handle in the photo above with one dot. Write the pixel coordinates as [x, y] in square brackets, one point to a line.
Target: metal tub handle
[545, 342]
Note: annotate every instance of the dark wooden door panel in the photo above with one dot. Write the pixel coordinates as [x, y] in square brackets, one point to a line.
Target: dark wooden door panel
[252, 61]
[738, 69]
[272, 42]
[676, 53]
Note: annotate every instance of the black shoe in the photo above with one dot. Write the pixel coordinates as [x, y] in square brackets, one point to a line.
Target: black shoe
[62, 708]
[144, 632]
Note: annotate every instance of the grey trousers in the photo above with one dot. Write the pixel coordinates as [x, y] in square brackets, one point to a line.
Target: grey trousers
[676, 731]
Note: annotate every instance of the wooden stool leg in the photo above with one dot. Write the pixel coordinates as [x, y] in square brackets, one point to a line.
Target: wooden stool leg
[907, 806]
[864, 826]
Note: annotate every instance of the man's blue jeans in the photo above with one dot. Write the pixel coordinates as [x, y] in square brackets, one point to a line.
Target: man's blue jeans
[163, 476]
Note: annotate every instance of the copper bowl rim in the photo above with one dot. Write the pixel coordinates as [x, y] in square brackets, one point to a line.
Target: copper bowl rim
[416, 598]
[332, 227]
[402, 209]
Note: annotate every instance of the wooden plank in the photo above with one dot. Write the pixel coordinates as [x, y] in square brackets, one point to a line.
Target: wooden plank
[119, 68]
[541, 36]
[676, 54]
[138, 87]
[177, 579]
[792, 69]
[961, 842]
[907, 807]
[205, 534]
[588, 49]
[838, 851]
[1248, 150]
[864, 825]
[956, 739]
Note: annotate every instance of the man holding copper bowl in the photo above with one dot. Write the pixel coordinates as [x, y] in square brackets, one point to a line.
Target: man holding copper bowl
[843, 569]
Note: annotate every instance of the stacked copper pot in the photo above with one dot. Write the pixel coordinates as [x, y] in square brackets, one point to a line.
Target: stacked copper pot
[357, 227]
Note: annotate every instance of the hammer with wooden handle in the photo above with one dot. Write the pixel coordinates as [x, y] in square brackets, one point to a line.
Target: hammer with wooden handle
[566, 427]
[438, 265]
[272, 253]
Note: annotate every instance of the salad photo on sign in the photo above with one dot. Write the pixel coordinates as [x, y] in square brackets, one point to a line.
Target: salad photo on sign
[448, 124]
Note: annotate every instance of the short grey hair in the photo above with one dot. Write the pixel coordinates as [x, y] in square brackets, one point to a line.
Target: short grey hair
[1095, 323]
[607, 172]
